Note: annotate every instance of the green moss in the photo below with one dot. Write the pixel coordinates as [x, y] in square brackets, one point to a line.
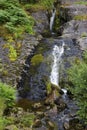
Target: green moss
[37, 59]
[81, 2]
[48, 87]
[2, 105]
[80, 17]
[48, 4]
[57, 23]
[57, 93]
[2, 123]
[27, 120]
[84, 34]
[41, 5]
[8, 94]
[33, 7]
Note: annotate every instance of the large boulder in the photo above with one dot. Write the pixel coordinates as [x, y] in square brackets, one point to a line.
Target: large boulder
[75, 26]
[73, 124]
[41, 21]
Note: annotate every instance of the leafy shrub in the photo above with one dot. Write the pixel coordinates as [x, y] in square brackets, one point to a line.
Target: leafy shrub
[7, 98]
[8, 94]
[27, 120]
[78, 77]
[47, 3]
[13, 17]
[2, 123]
[2, 106]
[4, 16]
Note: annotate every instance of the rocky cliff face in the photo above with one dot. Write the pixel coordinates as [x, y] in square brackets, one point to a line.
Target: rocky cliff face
[10, 71]
[76, 26]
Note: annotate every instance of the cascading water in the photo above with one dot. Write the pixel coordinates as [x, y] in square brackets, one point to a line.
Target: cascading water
[52, 19]
[57, 53]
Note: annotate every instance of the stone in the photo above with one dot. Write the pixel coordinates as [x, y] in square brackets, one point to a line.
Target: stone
[72, 124]
[82, 43]
[66, 125]
[11, 127]
[40, 114]
[42, 22]
[51, 125]
[60, 104]
[37, 123]
[37, 105]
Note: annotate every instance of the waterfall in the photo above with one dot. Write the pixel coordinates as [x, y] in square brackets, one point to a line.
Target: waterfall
[56, 53]
[52, 19]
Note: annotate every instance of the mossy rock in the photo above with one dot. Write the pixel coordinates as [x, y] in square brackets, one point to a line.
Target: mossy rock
[80, 17]
[37, 59]
[84, 34]
[55, 87]
[48, 87]
[11, 127]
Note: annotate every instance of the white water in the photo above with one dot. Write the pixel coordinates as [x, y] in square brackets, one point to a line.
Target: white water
[64, 90]
[57, 53]
[52, 19]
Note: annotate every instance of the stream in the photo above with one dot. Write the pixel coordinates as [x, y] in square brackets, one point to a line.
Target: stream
[54, 56]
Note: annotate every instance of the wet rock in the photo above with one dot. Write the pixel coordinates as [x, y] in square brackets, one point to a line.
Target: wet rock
[40, 114]
[73, 121]
[46, 115]
[60, 104]
[37, 123]
[66, 125]
[48, 107]
[73, 124]
[51, 125]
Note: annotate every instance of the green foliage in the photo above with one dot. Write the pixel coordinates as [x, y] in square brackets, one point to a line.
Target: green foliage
[84, 34]
[48, 87]
[12, 53]
[78, 77]
[2, 106]
[7, 97]
[37, 59]
[81, 2]
[80, 17]
[34, 7]
[47, 3]
[14, 18]
[85, 57]
[27, 120]
[8, 94]
[2, 123]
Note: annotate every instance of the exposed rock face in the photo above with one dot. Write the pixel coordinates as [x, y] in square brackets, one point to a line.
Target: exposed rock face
[10, 71]
[76, 27]
[60, 104]
[70, 1]
[76, 9]
[41, 21]
[73, 124]
[83, 43]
